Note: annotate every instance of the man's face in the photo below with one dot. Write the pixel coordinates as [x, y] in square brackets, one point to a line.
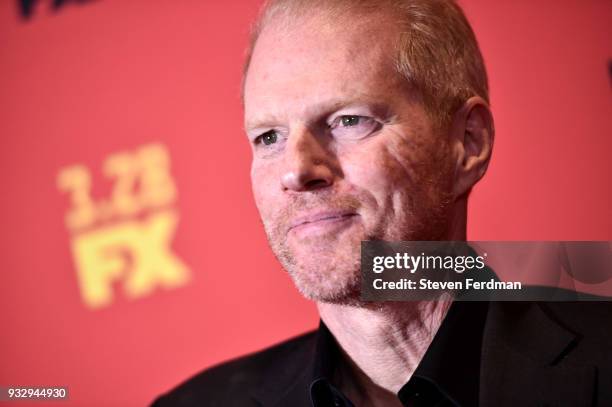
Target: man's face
[342, 150]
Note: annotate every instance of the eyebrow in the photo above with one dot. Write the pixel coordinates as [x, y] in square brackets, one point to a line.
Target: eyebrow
[262, 122]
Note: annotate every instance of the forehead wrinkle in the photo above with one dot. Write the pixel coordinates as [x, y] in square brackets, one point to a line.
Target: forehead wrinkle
[316, 95]
[365, 45]
[355, 68]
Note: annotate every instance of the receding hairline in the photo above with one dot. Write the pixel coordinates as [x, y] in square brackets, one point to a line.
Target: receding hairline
[437, 54]
[282, 18]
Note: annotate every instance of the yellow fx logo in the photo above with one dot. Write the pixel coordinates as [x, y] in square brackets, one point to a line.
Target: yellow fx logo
[133, 251]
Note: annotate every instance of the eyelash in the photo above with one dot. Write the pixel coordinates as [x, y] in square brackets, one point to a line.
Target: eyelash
[334, 124]
[259, 139]
[338, 119]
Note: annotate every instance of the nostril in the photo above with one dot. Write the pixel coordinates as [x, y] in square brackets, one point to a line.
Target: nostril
[303, 179]
[316, 183]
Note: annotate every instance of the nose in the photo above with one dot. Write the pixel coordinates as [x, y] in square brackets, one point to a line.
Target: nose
[308, 165]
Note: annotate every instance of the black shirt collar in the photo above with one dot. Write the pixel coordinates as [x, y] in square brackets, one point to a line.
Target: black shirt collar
[448, 375]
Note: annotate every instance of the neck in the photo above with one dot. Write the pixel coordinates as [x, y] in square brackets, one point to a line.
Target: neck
[382, 346]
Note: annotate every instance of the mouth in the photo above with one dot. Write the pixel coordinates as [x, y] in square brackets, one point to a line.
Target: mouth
[323, 219]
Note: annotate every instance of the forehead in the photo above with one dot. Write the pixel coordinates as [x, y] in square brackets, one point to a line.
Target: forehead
[305, 63]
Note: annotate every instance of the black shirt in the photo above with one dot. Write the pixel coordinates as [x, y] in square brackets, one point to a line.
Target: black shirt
[555, 353]
[448, 374]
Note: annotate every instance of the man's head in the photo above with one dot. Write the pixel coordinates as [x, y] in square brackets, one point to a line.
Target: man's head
[368, 120]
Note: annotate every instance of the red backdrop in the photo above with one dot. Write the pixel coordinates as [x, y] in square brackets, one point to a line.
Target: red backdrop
[119, 119]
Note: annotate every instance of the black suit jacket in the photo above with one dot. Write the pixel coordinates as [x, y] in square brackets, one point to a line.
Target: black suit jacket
[533, 354]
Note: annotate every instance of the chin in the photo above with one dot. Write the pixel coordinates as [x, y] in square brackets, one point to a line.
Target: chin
[331, 275]
[320, 286]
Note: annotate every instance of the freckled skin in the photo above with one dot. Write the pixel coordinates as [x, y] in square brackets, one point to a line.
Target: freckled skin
[397, 179]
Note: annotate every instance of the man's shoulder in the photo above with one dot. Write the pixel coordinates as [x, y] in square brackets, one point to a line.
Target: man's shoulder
[591, 319]
[581, 329]
[585, 317]
[547, 353]
[233, 382]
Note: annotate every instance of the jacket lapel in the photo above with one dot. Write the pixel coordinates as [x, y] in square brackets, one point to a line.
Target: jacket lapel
[523, 360]
[287, 381]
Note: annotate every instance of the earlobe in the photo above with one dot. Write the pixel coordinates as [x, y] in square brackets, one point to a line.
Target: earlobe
[473, 135]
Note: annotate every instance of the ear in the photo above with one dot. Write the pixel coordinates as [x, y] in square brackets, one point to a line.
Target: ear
[472, 133]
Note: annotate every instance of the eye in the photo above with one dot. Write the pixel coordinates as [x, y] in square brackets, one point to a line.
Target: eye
[353, 126]
[269, 137]
[350, 120]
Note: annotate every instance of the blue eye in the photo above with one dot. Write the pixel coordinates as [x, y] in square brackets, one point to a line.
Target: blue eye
[353, 127]
[268, 137]
[350, 120]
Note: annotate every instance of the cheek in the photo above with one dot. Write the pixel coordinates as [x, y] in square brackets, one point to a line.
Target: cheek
[267, 191]
[263, 186]
[384, 170]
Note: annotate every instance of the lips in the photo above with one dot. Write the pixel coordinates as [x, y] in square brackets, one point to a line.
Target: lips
[321, 216]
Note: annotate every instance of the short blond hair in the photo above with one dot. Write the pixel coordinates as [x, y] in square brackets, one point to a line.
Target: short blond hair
[437, 52]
